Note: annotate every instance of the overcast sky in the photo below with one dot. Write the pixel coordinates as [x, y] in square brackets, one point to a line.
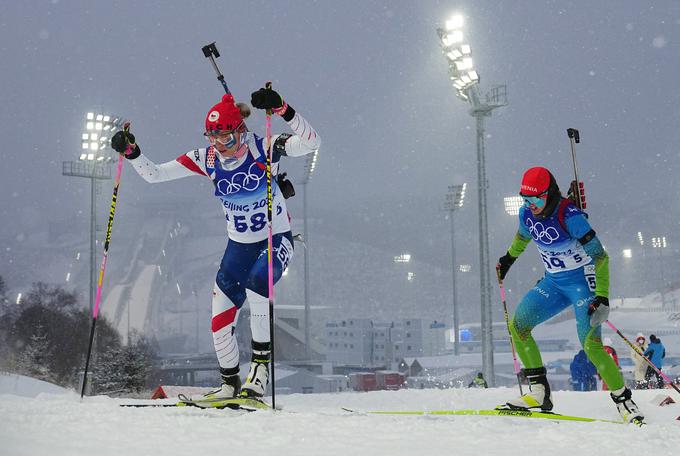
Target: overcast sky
[371, 78]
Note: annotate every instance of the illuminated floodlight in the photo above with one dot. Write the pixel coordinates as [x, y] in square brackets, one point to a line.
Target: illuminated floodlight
[403, 258]
[640, 238]
[465, 49]
[90, 116]
[94, 146]
[86, 145]
[410, 276]
[455, 54]
[89, 125]
[455, 22]
[90, 156]
[454, 37]
[83, 157]
[461, 197]
[627, 253]
[106, 118]
[85, 137]
[464, 268]
[466, 79]
[659, 242]
[513, 204]
[19, 298]
[100, 117]
[473, 75]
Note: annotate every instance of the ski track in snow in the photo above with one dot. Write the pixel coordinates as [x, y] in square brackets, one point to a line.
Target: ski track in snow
[314, 424]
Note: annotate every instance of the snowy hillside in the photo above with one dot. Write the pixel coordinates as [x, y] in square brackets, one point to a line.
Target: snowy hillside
[314, 424]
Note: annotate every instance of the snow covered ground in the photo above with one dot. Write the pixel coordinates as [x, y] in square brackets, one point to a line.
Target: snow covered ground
[314, 424]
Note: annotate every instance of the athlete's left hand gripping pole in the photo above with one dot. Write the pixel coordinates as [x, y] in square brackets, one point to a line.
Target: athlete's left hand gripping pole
[102, 268]
[507, 325]
[270, 244]
[211, 52]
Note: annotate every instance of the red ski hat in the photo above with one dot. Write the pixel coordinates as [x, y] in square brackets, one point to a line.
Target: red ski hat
[224, 116]
[535, 181]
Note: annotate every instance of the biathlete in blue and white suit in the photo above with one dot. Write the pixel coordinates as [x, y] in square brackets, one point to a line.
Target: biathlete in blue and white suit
[577, 275]
[235, 162]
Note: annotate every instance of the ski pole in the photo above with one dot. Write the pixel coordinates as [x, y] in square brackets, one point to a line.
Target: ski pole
[102, 268]
[210, 51]
[270, 245]
[507, 325]
[575, 138]
[639, 352]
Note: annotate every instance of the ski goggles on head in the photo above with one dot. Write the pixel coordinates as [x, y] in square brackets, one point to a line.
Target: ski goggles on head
[537, 200]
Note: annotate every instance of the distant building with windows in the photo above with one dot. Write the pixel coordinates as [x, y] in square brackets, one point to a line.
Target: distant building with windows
[366, 343]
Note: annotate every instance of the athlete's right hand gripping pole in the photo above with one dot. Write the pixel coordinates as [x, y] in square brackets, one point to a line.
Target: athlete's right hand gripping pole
[211, 52]
[507, 325]
[577, 186]
[639, 352]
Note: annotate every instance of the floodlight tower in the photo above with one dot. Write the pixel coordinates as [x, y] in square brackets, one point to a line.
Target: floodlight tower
[660, 244]
[465, 81]
[94, 163]
[454, 201]
[310, 166]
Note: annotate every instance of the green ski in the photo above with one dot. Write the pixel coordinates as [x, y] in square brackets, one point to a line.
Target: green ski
[501, 412]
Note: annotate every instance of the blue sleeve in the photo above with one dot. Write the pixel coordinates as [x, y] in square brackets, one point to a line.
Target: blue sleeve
[576, 223]
[523, 231]
[594, 248]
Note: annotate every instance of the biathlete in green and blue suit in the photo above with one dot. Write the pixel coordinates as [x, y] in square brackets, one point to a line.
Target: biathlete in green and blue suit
[577, 275]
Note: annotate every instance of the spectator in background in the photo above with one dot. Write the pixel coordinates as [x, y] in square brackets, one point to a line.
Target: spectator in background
[582, 373]
[607, 345]
[639, 363]
[478, 382]
[655, 352]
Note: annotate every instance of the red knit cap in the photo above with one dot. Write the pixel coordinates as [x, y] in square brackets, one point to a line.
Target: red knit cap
[535, 181]
[224, 116]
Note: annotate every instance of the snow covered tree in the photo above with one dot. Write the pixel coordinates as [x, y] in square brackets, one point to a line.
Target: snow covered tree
[34, 360]
[124, 369]
[66, 328]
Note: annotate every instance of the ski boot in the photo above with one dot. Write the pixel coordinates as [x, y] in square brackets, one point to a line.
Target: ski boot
[258, 375]
[230, 388]
[623, 398]
[538, 396]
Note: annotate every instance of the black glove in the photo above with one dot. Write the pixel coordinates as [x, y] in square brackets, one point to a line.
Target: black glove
[504, 264]
[286, 186]
[598, 310]
[120, 141]
[266, 99]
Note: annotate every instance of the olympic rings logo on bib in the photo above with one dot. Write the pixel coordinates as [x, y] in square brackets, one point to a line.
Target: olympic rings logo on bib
[541, 233]
[248, 181]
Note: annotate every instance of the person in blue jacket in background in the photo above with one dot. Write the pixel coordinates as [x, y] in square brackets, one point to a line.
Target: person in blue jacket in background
[656, 352]
[583, 373]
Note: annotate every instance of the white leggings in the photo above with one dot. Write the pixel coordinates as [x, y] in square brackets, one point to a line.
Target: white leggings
[224, 319]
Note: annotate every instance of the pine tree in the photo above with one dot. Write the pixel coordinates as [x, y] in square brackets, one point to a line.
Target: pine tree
[123, 369]
[34, 360]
